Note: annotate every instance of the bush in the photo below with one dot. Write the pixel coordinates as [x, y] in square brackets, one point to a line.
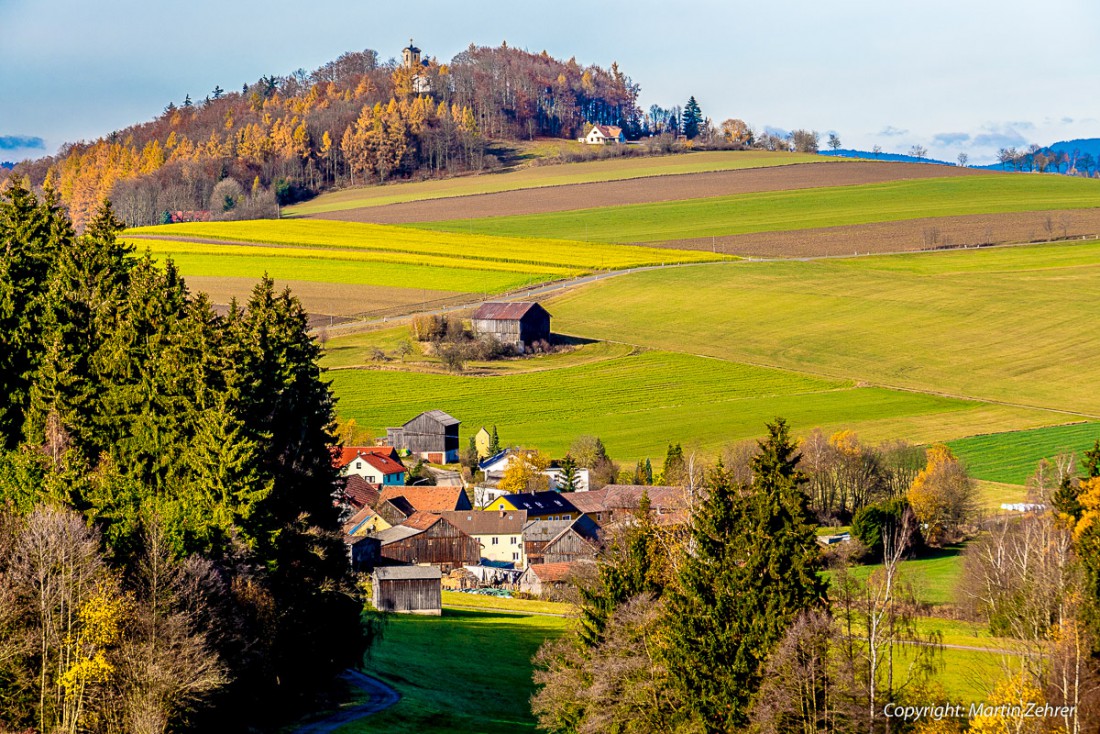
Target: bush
[872, 521]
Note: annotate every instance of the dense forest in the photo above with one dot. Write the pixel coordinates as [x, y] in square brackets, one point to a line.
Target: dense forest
[168, 537]
[354, 120]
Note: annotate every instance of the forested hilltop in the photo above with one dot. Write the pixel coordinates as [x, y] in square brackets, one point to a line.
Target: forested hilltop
[354, 120]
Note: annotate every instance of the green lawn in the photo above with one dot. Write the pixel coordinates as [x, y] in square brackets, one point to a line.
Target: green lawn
[466, 671]
[1009, 324]
[934, 576]
[615, 169]
[532, 606]
[639, 403]
[775, 211]
[1012, 457]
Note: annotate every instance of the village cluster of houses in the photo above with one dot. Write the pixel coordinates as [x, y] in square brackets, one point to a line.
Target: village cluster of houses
[415, 539]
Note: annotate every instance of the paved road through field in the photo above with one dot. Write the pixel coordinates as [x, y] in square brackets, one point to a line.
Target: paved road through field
[382, 696]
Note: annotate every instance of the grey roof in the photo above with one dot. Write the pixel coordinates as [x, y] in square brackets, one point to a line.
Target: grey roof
[389, 573]
[542, 531]
[503, 311]
[488, 522]
[394, 534]
[439, 417]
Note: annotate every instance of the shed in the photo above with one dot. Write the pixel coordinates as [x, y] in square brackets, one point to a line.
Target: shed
[543, 579]
[428, 538]
[519, 324]
[408, 589]
[432, 436]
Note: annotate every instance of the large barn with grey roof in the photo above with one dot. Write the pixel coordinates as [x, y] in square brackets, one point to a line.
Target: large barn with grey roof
[520, 324]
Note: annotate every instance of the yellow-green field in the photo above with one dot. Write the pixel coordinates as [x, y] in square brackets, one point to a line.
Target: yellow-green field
[616, 169]
[776, 211]
[1013, 325]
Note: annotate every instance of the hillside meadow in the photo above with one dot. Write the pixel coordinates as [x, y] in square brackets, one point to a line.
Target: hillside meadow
[775, 211]
[612, 169]
[641, 402]
[1008, 324]
[1012, 458]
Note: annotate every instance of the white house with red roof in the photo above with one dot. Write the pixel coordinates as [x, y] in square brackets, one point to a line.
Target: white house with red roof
[604, 135]
[376, 464]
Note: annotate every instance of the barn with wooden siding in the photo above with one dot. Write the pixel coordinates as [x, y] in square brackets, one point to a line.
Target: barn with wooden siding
[428, 539]
[519, 324]
[432, 436]
[561, 541]
[408, 589]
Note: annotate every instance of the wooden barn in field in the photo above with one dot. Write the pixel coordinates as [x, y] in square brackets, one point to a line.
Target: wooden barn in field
[431, 436]
[519, 324]
[407, 589]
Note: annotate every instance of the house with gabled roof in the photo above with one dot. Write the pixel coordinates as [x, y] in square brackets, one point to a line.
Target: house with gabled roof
[605, 135]
[431, 436]
[428, 539]
[500, 533]
[540, 506]
[430, 499]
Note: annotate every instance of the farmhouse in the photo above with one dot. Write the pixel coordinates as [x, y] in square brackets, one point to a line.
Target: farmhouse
[377, 467]
[546, 579]
[604, 135]
[358, 492]
[618, 502]
[520, 324]
[431, 436]
[428, 539]
[407, 589]
[541, 506]
[499, 533]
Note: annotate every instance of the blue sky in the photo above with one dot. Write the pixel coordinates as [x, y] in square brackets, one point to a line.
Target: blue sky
[951, 75]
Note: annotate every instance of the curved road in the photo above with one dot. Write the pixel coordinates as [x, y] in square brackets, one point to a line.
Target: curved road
[382, 696]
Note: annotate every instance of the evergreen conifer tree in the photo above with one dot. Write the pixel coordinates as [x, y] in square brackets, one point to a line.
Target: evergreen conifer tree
[692, 119]
[569, 479]
[494, 443]
[754, 569]
[673, 470]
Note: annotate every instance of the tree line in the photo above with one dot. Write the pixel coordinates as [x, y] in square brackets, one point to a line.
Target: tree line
[352, 121]
[169, 546]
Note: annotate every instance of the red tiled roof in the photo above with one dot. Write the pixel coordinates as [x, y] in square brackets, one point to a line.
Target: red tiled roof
[421, 520]
[348, 454]
[497, 310]
[426, 499]
[360, 492]
[551, 572]
[609, 131]
[384, 464]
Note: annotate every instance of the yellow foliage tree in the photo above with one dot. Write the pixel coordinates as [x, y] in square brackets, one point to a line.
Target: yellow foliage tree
[524, 472]
[1001, 713]
[1089, 497]
[942, 495]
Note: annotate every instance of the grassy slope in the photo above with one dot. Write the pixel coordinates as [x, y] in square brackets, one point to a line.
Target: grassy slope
[794, 210]
[1006, 324]
[640, 403]
[616, 169]
[934, 577]
[463, 671]
[1012, 457]
[401, 244]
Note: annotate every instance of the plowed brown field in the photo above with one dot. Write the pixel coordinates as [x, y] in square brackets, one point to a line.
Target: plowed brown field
[648, 190]
[907, 236]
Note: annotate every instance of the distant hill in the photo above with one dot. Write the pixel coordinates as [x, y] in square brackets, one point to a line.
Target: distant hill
[8, 165]
[849, 153]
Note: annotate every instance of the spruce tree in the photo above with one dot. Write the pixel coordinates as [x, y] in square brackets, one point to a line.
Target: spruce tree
[692, 119]
[1092, 461]
[673, 470]
[754, 569]
[494, 443]
[569, 479]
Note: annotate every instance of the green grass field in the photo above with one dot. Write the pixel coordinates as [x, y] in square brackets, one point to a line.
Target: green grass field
[351, 240]
[934, 576]
[1011, 458]
[467, 671]
[639, 403]
[776, 211]
[616, 169]
[1008, 324]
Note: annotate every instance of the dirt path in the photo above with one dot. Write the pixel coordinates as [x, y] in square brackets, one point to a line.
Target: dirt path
[382, 696]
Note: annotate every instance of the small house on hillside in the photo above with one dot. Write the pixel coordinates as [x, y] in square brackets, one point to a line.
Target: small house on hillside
[605, 135]
[431, 436]
[483, 440]
[519, 324]
[408, 589]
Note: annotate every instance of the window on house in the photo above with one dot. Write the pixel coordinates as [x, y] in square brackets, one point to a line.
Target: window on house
[514, 540]
[358, 465]
[495, 539]
[515, 556]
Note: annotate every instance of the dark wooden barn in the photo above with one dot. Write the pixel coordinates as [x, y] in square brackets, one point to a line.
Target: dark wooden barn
[427, 538]
[518, 324]
[432, 436]
[561, 541]
[407, 589]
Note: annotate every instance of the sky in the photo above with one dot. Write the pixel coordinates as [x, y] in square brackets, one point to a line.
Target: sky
[950, 75]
